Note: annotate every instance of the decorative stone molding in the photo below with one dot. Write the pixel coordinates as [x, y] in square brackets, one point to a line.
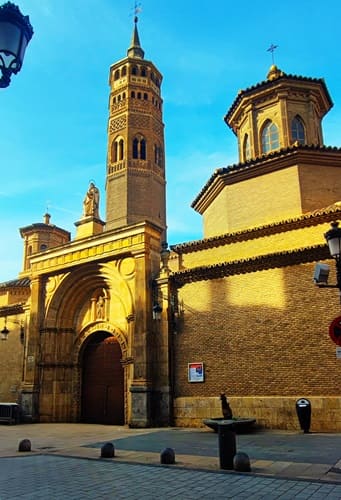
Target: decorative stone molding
[271, 261]
[311, 219]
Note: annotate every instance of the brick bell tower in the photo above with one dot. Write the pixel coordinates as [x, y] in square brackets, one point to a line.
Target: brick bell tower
[135, 180]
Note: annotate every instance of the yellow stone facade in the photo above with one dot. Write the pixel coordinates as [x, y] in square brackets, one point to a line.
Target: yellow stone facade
[103, 327]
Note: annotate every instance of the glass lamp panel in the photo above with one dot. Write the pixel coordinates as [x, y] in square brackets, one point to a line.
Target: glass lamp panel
[334, 245]
[9, 38]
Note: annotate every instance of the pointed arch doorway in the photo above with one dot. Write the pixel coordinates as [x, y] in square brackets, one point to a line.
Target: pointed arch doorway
[102, 381]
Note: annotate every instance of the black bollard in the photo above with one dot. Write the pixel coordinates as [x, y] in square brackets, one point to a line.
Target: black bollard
[108, 450]
[24, 445]
[167, 456]
[241, 462]
[227, 445]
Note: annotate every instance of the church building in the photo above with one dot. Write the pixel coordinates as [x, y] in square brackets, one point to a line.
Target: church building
[113, 327]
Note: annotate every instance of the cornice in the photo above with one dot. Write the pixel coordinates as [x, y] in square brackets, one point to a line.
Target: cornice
[276, 160]
[12, 310]
[307, 220]
[244, 266]
[117, 243]
[41, 227]
[267, 85]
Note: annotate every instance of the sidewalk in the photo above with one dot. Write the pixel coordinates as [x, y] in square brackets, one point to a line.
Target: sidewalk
[272, 453]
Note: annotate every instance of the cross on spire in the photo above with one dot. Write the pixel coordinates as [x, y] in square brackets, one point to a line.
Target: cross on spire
[272, 49]
[137, 10]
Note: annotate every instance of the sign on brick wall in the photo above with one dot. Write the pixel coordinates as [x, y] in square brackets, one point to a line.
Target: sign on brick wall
[196, 372]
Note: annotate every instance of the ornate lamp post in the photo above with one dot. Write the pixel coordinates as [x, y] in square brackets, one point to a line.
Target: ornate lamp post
[15, 34]
[333, 237]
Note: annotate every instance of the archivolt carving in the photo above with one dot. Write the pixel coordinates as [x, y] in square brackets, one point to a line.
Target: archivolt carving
[52, 283]
[75, 301]
[100, 327]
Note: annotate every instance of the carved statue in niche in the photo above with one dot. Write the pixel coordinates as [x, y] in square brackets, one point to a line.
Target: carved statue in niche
[100, 308]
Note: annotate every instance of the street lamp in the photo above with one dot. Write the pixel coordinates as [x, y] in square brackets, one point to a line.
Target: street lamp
[333, 237]
[15, 34]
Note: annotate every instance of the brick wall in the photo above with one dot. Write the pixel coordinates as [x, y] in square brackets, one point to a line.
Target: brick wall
[259, 335]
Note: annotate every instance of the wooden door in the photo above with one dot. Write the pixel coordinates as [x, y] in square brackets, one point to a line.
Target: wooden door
[103, 383]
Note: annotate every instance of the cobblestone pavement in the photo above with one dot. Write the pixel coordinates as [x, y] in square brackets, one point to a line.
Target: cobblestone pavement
[65, 462]
[55, 477]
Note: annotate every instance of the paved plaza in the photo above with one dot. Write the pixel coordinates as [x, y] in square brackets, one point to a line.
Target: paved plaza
[65, 463]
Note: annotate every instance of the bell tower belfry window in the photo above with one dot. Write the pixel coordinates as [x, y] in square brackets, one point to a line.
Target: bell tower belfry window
[135, 180]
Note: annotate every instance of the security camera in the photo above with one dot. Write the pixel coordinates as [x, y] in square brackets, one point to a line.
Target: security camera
[321, 274]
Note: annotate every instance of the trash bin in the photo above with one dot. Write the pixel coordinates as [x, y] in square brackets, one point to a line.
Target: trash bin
[227, 444]
[303, 410]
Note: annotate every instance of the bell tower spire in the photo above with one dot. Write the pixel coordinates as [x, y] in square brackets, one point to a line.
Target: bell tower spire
[135, 180]
[135, 49]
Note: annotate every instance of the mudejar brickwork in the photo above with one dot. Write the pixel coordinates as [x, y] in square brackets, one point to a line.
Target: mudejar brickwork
[105, 326]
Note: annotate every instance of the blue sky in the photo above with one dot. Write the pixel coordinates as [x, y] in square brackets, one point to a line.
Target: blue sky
[54, 114]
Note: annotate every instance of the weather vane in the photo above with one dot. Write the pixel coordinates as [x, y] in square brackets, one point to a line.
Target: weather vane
[272, 49]
[137, 10]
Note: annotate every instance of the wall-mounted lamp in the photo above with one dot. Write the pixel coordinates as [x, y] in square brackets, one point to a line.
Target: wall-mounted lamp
[157, 311]
[321, 273]
[5, 331]
[15, 34]
[333, 238]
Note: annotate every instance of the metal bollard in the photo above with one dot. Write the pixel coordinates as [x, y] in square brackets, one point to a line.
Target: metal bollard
[227, 444]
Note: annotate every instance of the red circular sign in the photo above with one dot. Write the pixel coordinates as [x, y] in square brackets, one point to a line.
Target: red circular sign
[335, 330]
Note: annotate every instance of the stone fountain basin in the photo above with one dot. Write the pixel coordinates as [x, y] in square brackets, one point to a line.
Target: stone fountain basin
[238, 425]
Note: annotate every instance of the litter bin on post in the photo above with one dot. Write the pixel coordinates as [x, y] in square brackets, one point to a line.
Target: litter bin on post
[303, 410]
[227, 444]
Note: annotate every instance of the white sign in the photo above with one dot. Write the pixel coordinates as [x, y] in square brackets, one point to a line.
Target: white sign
[338, 352]
[196, 372]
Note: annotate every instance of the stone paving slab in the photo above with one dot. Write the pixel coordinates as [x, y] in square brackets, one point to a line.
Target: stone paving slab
[278, 454]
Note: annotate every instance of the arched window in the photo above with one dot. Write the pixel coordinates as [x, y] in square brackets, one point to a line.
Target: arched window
[121, 150]
[270, 137]
[117, 150]
[158, 155]
[246, 148]
[43, 247]
[139, 148]
[133, 94]
[139, 95]
[134, 70]
[143, 71]
[114, 154]
[117, 74]
[145, 96]
[297, 130]
[143, 149]
[124, 71]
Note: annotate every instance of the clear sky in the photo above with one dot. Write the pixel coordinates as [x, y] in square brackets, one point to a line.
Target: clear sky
[54, 114]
